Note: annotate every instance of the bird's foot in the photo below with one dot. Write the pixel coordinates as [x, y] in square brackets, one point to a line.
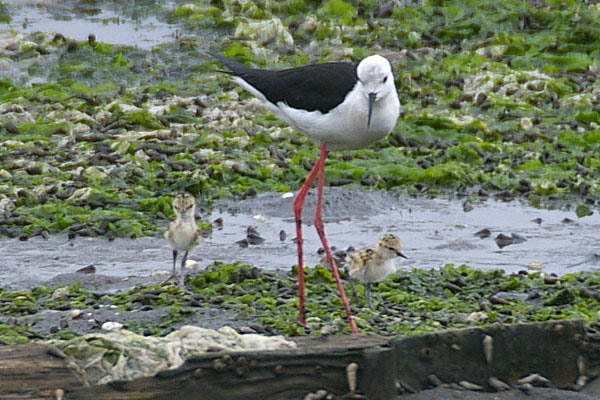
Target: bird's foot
[171, 280]
[174, 281]
[183, 288]
[302, 321]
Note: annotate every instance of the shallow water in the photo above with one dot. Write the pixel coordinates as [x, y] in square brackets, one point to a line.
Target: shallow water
[435, 232]
[140, 28]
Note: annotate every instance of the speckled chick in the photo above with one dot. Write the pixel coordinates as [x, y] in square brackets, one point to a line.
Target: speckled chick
[372, 265]
[183, 233]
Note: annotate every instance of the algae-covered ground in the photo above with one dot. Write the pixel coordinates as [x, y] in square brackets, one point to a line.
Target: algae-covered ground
[499, 99]
[255, 300]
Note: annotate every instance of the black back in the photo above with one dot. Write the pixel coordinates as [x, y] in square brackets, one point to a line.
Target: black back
[311, 87]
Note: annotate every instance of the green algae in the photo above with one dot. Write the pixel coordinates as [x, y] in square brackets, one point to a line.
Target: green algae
[519, 132]
[407, 303]
[339, 9]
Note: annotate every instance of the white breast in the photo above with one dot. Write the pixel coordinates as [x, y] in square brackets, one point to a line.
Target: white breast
[345, 127]
[182, 236]
[378, 272]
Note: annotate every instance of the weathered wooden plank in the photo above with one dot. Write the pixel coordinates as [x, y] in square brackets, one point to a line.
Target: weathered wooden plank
[260, 375]
[32, 371]
[385, 366]
[549, 348]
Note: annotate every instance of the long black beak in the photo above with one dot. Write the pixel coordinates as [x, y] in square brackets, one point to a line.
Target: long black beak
[372, 97]
[401, 255]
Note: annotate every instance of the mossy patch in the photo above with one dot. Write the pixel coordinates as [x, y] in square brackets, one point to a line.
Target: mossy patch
[407, 303]
[496, 100]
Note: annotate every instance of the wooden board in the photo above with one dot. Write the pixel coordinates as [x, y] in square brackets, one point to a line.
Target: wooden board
[387, 366]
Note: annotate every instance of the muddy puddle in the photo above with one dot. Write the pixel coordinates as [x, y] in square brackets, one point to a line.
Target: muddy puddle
[435, 232]
[114, 23]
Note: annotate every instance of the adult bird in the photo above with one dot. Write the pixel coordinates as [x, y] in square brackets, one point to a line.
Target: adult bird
[340, 106]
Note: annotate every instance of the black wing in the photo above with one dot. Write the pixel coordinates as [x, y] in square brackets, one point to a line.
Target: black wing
[312, 87]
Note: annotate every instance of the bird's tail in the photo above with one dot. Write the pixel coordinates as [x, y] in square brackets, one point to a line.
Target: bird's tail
[235, 67]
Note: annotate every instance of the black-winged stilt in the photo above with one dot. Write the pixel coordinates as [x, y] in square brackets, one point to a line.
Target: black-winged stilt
[340, 106]
[372, 265]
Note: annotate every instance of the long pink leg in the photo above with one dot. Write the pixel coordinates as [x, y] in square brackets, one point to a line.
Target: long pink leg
[298, 204]
[321, 231]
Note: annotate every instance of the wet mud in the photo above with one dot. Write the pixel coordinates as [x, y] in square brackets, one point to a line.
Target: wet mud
[435, 232]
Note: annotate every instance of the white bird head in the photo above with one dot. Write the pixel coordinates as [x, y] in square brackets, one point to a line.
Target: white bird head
[376, 80]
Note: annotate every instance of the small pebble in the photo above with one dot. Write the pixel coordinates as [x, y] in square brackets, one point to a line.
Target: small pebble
[534, 379]
[498, 300]
[503, 240]
[483, 233]
[60, 293]
[326, 330]
[534, 266]
[484, 306]
[434, 380]
[259, 218]
[190, 265]
[497, 384]
[470, 386]
[89, 269]
[467, 207]
[112, 326]
[525, 387]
